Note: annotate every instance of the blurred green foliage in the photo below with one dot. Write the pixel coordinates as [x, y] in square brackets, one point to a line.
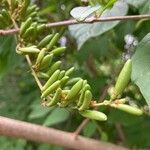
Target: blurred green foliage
[20, 96]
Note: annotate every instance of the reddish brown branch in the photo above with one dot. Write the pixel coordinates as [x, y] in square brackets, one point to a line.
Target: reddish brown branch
[81, 126]
[89, 20]
[24, 130]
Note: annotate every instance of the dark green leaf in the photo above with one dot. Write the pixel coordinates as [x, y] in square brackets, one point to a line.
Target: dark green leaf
[57, 116]
[81, 13]
[8, 56]
[84, 32]
[141, 67]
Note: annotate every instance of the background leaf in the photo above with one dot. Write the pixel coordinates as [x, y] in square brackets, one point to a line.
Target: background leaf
[57, 116]
[141, 67]
[84, 32]
[8, 56]
[81, 13]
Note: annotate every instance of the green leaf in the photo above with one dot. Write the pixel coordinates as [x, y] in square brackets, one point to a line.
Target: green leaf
[136, 3]
[89, 129]
[143, 5]
[81, 13]
[8, 56]
[84, 32]
[57, 116]
[141, 67]
[38, 111]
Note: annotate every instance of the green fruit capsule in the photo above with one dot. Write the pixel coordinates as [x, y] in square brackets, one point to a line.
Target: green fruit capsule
[56, 98]
[33, 14]
[51, 80]
[51, 89]
[25, 25]
[6, 15]
[54, 67]
[40, 28]
[64, 80]
[30, 31]
[123, 79]
[45, 63]
[81, 98]
[40, 57]
[29, 50]
[61, 75]
[73, 81]
[93, 114]
[58, 51]
[45, 41]
[75, 90]
[128, 109]
[42, 75]
[69, 71]
[86, 101]
[31, 9]
[53, 41]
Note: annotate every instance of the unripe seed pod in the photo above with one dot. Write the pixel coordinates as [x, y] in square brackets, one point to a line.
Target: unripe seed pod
[31, 9]
[25, 25]
[73, 81]
[81, 98]
[84, 83]
[75, 90]
[86, 101]
[51, 80]
[45, 41]
[69, 71]
[53, 41]
[54, 67]
[58, 51]
[128, 109]
[42, 75]
[93, 114]
[24, 8]
[30, 31]
[40, 28]
[45, 63]
[64, 80]
[40, 57]
[61, 75]
[56, 98]
[6, 15]
[29, 50]
[50, 89]
[123, 79]
[33, 14]
[13, 4]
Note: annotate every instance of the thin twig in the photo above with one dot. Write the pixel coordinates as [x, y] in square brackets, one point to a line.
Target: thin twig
[19, 129]
[80, 127]
[120, 132]
[87, 21]
[33, 72]
[85, 121]
[28, 58]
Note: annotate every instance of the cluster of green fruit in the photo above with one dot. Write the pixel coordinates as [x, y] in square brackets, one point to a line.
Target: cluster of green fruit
[59, 87]
[18, 10]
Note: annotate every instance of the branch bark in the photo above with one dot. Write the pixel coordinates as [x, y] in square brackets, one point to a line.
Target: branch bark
[28, 131]
[87, 21]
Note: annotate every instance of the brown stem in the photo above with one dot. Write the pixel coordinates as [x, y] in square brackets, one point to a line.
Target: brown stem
[120, 132]
[28, 131]
[91, 65]
[87, 21]
[33, 72]
[80, 127]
